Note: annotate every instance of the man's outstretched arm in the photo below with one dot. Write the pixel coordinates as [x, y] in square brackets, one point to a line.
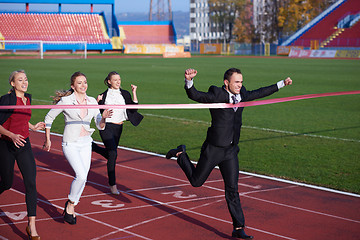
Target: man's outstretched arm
[264, 91]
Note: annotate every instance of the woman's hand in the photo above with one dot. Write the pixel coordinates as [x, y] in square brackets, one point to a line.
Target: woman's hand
[107, 113]
[18, 140]
[47, 145]
[38, 126]
[134, 88]
[99, 98]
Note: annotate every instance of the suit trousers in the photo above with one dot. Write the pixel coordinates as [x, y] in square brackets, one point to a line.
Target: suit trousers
[111, 137]
[78, 154]
[26, 162]
[227, 160]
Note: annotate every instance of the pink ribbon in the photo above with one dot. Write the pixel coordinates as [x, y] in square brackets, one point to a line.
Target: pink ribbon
[181, 106]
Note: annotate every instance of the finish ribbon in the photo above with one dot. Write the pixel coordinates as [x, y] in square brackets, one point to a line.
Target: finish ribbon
[181, 106]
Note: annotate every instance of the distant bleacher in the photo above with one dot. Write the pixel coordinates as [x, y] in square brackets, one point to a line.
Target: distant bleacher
[349, 37]
[147, 32]
[327, 32]
[87, 27]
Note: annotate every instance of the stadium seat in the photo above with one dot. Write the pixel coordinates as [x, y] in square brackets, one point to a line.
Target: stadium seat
[328, 26]
[53, 27]
[148, 34]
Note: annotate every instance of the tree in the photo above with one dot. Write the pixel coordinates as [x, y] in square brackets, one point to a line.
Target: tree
[244, 27]
[224, 13]
[271, 20]
[295, 14]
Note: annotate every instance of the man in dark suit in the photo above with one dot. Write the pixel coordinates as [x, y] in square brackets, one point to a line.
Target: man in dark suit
[221, 144]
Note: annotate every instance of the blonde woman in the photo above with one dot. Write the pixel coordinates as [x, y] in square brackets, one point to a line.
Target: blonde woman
[15, 145]
[76, 142]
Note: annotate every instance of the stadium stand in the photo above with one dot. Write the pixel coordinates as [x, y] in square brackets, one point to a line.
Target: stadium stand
[162, 32]
[349, 37]
[55, 27]
[326, 30]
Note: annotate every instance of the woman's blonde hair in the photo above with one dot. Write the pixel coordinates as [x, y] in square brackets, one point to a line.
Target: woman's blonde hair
[12, 78]
[63, 93]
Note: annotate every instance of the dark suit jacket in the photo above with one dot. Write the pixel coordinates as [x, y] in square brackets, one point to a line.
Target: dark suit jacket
[225, 122]
[9, 99]
[133, 115]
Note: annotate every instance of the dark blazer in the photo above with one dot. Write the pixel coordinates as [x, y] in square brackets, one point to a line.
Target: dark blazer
[9, 99]
[133, 115]
[225, 122]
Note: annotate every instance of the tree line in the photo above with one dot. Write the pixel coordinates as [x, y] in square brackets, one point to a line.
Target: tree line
[270, 21]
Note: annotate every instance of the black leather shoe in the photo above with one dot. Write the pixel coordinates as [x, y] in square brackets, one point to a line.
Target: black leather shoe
[173, 152]
[240, 233]
[69, 218]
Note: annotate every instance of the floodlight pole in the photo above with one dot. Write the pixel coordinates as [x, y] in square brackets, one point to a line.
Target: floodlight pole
[160, 9]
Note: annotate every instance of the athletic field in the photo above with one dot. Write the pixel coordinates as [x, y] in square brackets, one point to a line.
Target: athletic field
[316, 141]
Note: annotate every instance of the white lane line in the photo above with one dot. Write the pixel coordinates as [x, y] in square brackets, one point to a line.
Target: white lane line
[242, 172]
[302, 209]
[217, 189]
[214, 218]
[164, 204]
[244, 126]
[157, 218]
[258, 128]
[173, 206]
[246, 194]
[78, 214]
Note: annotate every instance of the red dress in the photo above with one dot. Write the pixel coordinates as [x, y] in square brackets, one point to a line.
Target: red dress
[18, 122]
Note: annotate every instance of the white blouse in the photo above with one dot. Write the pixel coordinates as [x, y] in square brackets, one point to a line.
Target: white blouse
[114, 97]
[74, 122]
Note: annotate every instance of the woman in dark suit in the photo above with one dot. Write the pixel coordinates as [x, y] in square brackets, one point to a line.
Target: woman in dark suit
[15, 145]
[110, 136]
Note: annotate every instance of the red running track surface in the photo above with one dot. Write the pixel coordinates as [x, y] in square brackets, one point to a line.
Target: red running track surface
[157, 202]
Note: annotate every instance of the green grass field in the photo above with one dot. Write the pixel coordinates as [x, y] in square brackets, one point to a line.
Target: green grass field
[315, 141]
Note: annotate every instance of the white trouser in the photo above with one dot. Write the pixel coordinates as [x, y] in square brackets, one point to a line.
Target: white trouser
[78, 154]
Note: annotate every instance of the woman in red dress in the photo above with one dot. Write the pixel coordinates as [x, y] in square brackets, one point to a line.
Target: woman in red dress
[15, 145]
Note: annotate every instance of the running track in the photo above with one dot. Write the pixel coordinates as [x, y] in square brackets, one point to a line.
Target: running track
[157, 202]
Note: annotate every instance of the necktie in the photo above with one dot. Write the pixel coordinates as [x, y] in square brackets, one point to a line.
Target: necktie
[235, 101]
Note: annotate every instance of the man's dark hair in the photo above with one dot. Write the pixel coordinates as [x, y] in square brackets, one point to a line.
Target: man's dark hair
[230, 72]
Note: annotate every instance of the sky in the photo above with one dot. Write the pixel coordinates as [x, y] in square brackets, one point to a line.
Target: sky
[144, 5]
[121, 6]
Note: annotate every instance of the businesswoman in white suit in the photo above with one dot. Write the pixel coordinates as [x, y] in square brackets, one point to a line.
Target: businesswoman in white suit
[76, 142]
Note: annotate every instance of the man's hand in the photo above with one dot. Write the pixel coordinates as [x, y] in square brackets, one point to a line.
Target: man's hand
[287, 81]
[190, 74]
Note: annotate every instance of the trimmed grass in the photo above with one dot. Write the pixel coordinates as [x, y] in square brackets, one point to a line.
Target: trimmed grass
[318, 141]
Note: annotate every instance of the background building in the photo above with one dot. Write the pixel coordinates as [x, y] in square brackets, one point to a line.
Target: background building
[202, 30]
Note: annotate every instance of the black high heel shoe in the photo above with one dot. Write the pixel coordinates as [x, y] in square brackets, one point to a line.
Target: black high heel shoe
[69, 218]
